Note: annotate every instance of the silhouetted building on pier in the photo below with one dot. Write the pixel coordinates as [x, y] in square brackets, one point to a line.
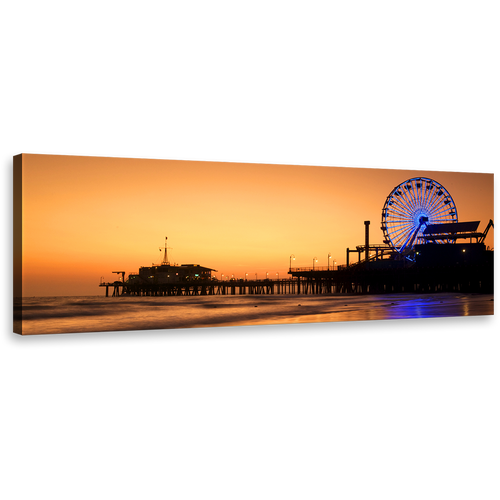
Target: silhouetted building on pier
[166, 273]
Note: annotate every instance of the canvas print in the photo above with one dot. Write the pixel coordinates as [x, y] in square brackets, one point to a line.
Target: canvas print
[114, 244]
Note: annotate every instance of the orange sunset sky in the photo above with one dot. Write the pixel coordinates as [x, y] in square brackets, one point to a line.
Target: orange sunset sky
[84, 217]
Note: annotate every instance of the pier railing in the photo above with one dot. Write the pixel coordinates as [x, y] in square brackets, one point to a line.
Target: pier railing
[315, 268]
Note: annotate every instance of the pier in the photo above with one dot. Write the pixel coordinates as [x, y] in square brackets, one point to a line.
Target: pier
[204, 287]
[427, 266]
[373, 277]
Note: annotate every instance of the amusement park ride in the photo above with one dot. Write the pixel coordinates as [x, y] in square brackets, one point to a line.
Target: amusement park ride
[420, 211]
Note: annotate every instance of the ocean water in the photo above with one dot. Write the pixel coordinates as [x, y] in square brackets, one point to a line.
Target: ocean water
[98, 313]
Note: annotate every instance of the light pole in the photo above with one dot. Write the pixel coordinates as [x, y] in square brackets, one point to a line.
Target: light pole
[314, 260]
[291, 257]
[255, 275]
[246, 276]
[267, 275]
[278, 274]
[329, 257]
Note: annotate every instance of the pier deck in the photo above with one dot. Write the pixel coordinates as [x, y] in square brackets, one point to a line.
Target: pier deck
[477, 278]
[205, 287]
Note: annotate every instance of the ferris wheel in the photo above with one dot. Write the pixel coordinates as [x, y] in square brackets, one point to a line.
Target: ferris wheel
[410, 207]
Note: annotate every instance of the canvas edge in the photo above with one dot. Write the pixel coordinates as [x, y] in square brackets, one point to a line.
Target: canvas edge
[18, 243]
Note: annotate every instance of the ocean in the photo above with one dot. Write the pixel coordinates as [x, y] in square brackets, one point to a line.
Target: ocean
[42, 315]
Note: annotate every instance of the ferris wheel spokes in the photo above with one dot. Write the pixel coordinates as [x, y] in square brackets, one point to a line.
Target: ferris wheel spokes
[410, 207]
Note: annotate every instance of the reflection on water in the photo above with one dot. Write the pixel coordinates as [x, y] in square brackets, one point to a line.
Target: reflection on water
[86, 314]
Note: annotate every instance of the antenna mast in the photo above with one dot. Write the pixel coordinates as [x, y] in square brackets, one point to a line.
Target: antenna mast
[165, 256]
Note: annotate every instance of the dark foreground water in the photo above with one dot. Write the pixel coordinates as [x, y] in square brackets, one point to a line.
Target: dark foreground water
[91, 314]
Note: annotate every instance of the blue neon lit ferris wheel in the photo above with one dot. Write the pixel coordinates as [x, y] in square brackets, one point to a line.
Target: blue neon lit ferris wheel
[410, 207]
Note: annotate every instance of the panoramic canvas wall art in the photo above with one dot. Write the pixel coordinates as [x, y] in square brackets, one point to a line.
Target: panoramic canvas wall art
[110, 244]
